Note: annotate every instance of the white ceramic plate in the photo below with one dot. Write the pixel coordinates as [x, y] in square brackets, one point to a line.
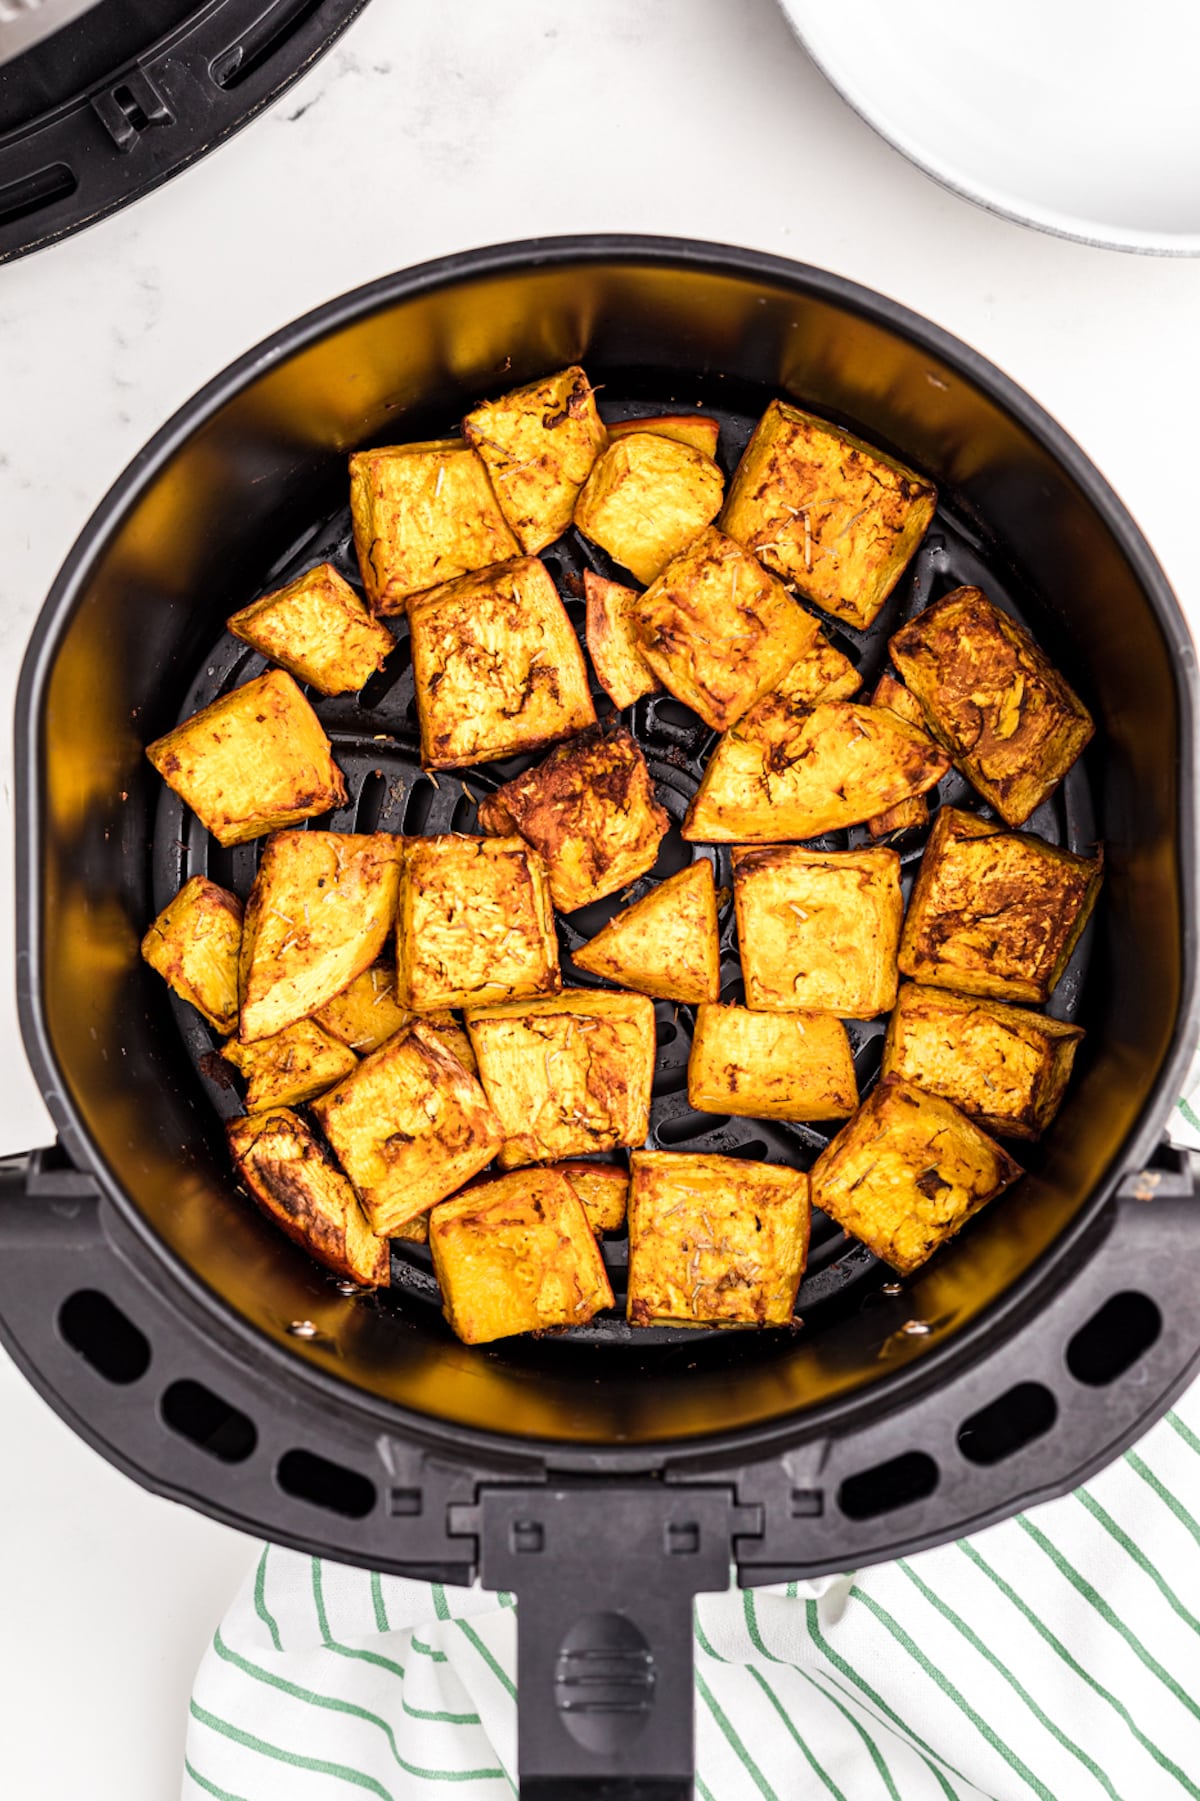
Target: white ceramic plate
[1081, 117]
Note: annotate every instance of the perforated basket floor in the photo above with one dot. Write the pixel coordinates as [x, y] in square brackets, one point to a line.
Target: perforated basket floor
[374, 735]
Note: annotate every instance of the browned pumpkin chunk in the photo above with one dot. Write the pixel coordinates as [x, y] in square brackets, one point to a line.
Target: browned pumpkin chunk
[253, 761]
[621, 669]
[569, 1075]
[474, 923]
[366, 1013]
[907, 1172]
[1006, 1067]
[995, 912]
[827, 512]
[319, 913]
[906, 815]
[497, 666]
[718, 631]
[423, 514]
[818, 930]
[539, 443]
[297, 1184]
[590, 810]
[1001, 709]
[771, 1065]
[318, 630]
[714, 1240]
[664, 944]
[292, 1067]
[194, 945]
[409, 1127]
[517, 1255]
[699, 430]
[798, 774]
[603, 1189]
[647, 497]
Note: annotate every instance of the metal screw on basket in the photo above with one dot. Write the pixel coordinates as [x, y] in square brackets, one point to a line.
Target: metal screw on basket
[892, 1288]
[916, 1328]
[302, 1328]
[342, 1288]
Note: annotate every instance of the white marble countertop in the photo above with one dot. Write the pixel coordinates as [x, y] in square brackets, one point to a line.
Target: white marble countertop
[429, 129]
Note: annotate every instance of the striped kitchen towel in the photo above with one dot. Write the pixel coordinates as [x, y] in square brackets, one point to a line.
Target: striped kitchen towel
[1056, 1655]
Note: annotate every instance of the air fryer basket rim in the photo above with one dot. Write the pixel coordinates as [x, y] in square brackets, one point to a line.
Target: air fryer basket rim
[447, 272]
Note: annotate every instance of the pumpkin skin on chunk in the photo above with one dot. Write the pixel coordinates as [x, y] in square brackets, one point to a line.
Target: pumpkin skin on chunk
[297, 1184]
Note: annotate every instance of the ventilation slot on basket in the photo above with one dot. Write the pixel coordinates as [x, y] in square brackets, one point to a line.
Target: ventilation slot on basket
[104, 1336]
[29, 195]
[690, 1125]
[887, 1486]
[1012, 1420]
[208, 1422]
[1113, 1339]
[332, 1486]
[261, 42]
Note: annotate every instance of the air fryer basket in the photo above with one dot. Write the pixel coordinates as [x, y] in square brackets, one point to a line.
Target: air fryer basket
[606, 1476]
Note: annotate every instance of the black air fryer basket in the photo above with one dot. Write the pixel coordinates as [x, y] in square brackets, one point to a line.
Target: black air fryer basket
[606, 1475]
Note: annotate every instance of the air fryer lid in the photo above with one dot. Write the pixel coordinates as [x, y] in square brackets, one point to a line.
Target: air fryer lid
[604, 1480]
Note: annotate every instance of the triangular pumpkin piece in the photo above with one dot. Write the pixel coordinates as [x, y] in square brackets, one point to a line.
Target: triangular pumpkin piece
[664, 945]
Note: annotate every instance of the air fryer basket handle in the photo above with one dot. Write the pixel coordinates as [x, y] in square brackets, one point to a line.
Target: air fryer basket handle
[605, 1579]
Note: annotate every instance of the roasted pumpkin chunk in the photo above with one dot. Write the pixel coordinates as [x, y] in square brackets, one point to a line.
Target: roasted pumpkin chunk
[474, 923]
[319, 913]
[621, 669]
[423, 514]
[253, 761]
[664, 944]
[718, 631]
[821, 673]
[699, 430]
[292, 1067]
[714, 1240]
[995, 912]
[318, 630]
[647, 497]
[366, 1013]
[907, 1172]
[297, 1184]
[1006, 1067]
[517, 1255]
[568, 1075]
[827, 512]
[603, 1189]
[497, 666]
[999, 706]
[799, 773]
[906, 815]
[818, 930]
[194, 945]
[771, 1065]
[590, 810]
[539, 443]
[409, 1127]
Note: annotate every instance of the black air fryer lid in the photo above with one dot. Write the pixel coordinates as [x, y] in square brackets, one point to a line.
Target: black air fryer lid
[131, 91]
